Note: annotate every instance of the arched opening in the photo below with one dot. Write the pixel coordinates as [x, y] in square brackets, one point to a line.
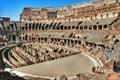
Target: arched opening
[33, 26]
[116, 41]
[76, 41]
[26, 37]
[38, 40]
[43, 27]
[23, 28]
[46, 27]
[13, 37]
[36, 26]
[65, 28]
[40, 26]
[105, 27]
[81, 27]
[73, 27]
[85, 27]
[72, 42]
[54, 26]
[26, 26]
[107, 15]
[51, 26]
[90, 27]
[30, 26]
[69, 27]
[62, 27]
[94, 27]
[8, 28]
[9, 37]
[57, 27]
[45, 40]
[100, 27]
[77, 27]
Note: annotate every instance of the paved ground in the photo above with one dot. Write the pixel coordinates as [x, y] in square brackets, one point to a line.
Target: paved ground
[69, 66]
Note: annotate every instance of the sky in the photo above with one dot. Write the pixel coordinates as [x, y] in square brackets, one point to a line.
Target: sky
[13, 8]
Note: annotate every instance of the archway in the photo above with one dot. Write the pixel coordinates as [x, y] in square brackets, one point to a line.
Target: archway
[14, 37]
[94, 27]
[99, 27]
[105, 27]
[90, 27]
[85, 27]
[81, 27]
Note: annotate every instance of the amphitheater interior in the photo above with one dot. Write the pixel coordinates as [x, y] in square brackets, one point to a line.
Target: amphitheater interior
[29, 43]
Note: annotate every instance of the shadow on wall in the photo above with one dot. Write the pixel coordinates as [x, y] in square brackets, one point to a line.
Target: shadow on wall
[8, 76]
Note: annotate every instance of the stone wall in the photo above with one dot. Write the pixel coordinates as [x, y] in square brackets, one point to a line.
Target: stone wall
[81, 12]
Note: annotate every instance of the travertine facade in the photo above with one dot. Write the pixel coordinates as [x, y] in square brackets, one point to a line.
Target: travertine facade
[47, 34]
[79, 12]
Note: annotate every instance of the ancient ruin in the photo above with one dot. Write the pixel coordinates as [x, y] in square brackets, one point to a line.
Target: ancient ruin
[49, 34]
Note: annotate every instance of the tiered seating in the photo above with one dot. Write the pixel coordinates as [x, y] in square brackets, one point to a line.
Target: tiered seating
[17, 56]
[5, 58]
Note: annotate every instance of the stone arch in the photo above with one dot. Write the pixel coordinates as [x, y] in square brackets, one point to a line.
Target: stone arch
[58, 28]
[44, 39]
[23, 28]
[14, 37]
[76, 41]
[105, 26]
[62, 28]
[39, 40]
[11, 26]
[77, 27]
[94, 27]
[69, 27]
[54, 26]
[40, 26]
[8, 28]
[26, 26]
[65, 28]
[59, 23]
[81, 27]
[26, 37]
[51, 26]
[72, 41]
[30, 26]
[30, 38]
[43, 26]
[100, 27]
[47, 26]
[79, 42]
[37, 25]
[33, 26]
[115, 25]
[73, 27]
[90, 27]
[85, 27]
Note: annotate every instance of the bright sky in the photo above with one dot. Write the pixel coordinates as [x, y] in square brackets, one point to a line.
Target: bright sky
[13, 8]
